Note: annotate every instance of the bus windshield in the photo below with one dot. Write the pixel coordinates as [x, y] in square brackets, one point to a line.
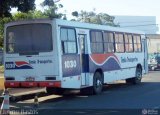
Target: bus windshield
[29, 38]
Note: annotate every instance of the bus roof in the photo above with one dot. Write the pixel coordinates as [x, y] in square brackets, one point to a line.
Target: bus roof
[96, 26]
[83, 25]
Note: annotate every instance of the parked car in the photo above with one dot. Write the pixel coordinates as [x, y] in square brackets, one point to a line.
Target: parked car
[154, 61]
[152, 64]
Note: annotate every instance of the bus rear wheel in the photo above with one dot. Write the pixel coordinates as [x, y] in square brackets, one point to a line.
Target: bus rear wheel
[97, 83]
[138, 77]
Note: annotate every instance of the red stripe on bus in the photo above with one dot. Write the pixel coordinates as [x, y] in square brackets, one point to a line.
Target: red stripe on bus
[100, 58]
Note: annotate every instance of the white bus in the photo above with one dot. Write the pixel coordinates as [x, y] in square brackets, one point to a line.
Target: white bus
[59, 54]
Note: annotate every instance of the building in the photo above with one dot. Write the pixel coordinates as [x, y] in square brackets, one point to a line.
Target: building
[144, 23]
[153, 43]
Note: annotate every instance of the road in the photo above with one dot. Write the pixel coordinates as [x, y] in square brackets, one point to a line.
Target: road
[118, 98]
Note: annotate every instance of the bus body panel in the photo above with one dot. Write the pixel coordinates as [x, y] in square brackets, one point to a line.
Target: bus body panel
[30, 67]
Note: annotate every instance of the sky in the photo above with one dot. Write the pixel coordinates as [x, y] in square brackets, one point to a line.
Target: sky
[112, 7]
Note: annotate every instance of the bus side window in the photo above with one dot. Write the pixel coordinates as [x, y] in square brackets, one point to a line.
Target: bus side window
[108, 42]
[137, 43]
[11, 42]
[119, 42]
[96, 41]
[68, 40]
[128, 43]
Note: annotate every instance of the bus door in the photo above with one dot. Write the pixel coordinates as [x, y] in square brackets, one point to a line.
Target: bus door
[83, 59]
[144, 46]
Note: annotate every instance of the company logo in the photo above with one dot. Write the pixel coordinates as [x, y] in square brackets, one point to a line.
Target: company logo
[18, 65]
[149, 112]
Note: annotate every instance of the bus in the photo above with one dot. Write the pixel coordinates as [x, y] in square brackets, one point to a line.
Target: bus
[59, 55]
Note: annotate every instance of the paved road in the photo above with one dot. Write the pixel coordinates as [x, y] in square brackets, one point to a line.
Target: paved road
[119, 98]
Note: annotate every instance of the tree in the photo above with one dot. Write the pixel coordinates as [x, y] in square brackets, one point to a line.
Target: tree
[5, 8]
[24, 5]
[3, 21]
[75, 13]
[52, 8]
[92, 17]
[21, 5]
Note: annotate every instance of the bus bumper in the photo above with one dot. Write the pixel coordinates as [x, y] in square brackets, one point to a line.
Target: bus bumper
[13, 84]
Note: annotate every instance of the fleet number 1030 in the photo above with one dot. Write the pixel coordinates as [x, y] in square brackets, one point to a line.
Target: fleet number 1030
[10, 65]
[70, 64]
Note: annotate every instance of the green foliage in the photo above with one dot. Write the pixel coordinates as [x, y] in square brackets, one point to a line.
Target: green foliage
[49, 3]
[21, 5]
[3, 21]
[51, 10]
[30, 15]
[75, 13]
[92, 17]
[5, 8]
[25, 5]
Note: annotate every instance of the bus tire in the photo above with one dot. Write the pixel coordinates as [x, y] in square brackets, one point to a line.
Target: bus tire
[97, 83]
[138, 77]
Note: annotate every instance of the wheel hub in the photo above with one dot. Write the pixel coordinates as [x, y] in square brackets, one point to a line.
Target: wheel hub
[99, 83]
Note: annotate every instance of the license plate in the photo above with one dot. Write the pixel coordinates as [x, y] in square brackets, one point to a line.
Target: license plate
[30, 79]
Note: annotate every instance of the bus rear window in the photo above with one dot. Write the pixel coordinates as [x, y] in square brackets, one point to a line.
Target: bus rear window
[29, 38]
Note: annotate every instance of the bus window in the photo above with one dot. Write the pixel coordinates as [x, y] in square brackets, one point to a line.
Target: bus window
[11, 42]
[119, 42]
[128, 43]
[29, 38]
[68, 38]
[137, 43]
[96, 42]
[108, 42]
